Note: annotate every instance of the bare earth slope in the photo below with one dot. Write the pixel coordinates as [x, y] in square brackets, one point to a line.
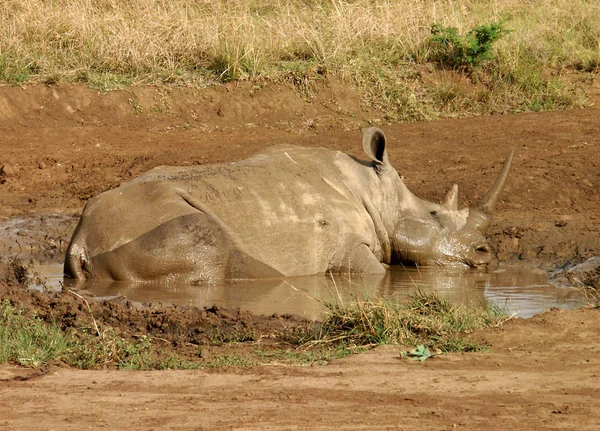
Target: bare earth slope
[61, 145]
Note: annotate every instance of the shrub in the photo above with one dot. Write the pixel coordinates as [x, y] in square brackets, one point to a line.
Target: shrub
[468, 50]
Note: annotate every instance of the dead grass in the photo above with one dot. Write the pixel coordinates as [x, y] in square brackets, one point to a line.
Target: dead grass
[381, 47]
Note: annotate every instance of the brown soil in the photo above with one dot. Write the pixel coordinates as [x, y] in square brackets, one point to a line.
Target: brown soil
[62, 145]
[542, 373]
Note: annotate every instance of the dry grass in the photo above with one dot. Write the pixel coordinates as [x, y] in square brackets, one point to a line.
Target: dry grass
[379, 46]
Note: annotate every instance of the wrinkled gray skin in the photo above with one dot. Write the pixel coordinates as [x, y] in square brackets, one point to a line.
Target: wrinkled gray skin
[287, 211]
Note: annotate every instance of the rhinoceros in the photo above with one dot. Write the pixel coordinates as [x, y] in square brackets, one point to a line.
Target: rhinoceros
[287, 211]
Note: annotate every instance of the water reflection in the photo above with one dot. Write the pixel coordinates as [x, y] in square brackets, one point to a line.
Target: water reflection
[523, 291]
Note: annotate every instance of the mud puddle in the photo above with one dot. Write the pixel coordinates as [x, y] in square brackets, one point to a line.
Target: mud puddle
[519, 290]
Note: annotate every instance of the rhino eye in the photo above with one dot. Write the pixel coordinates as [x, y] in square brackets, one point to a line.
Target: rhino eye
[433, 213]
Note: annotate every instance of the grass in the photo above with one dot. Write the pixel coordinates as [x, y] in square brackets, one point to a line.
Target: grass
[425, 319]
[30, 341]
[588, 286]
[384, 49]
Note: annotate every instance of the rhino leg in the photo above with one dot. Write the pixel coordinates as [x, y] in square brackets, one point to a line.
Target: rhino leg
[194, 248]
[190, 249]
[242, 266]
[360, 260]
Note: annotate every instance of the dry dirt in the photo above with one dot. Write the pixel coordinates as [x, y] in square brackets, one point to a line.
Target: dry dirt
[61, 145]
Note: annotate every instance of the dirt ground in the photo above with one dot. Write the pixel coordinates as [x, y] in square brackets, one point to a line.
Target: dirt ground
[542, 373]
[61, 145]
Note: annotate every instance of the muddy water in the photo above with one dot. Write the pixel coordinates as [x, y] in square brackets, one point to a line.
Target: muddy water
[522, 291]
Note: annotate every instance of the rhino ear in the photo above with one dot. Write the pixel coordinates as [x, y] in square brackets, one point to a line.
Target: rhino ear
[374, 145]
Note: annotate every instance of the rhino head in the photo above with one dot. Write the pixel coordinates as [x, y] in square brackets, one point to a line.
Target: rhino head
[427, 233]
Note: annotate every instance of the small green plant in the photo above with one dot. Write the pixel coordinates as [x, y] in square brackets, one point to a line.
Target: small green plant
[14, 71]
[468, 50]
[136, 355]
[234, 335]
[420, 353]
[174, 362]
[306, 353]
[231, 360]
[104, 81]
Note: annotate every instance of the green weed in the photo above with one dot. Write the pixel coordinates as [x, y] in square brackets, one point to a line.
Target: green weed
[14, 71]
[232, 360]
[173, 362]
[105, 81]
[307, 353]
[234, 335]
[467, 50]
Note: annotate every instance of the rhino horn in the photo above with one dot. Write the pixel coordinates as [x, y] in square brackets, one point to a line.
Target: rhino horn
[451, 201]
[491, 197]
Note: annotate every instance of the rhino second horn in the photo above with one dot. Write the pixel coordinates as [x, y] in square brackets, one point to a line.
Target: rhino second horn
[451, 201]
[491, 197]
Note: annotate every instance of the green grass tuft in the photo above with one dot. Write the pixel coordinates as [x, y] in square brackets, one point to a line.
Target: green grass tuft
[28, 342]
[32, 342]
[424, 319]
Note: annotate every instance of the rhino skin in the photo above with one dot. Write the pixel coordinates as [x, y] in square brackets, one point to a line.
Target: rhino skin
[287, 211]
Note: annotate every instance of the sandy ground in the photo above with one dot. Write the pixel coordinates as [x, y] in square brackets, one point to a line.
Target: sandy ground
[61, 145]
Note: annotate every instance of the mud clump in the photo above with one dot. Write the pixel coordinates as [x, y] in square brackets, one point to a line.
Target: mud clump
[584, 275]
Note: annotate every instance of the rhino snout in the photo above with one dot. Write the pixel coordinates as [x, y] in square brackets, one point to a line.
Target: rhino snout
[481, 254]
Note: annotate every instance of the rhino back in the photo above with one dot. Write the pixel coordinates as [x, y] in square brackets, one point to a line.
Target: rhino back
[291, 208]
